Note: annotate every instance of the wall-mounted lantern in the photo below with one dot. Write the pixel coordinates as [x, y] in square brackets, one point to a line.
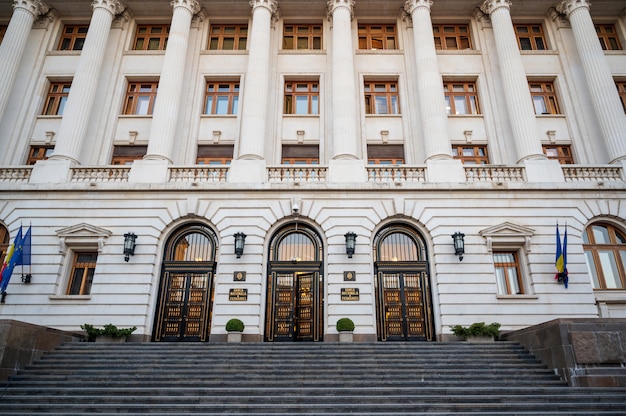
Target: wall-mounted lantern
[350, 243]
[129, 245]
[459, 244]
[240, 241]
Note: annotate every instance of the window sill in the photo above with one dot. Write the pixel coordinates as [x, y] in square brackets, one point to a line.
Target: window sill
[302, 52]
[72, 298]
[550, 115]
[466, 116]
[228, 116]
[458, 52]
[142, 52]
[517, 297]
[135, 116]
[223, 52]
[379, 52]
[610, 295]
[383, 115]
[49, 117]
[301, 115]
[535, 53]
[63, 53]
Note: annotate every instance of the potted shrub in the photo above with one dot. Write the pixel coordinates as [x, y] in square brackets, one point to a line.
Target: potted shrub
[345, 327]
[477, 332]
[108, 333]
[234, 327]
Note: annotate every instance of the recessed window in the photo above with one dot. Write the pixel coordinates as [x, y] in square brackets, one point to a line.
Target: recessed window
[39, 153]
[228, 37]
[56, 98]
[302, 36]
[214, 154]
[375, 37]
[73, 37]
[471, 155]
[562, 153]
[508, 276]
[300, 154]
[381, 97]
[461, 97]
[621, 90]
[608, 37]
[151, 37]
[385, 154]
[221, 98]
[302, 97]
[83, 270]
[605, 251]
[544, 97]
[126, 155]
[530, 37]
[140, 97]
[452, 37]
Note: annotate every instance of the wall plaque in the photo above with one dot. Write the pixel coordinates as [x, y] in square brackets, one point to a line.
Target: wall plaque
[350, 293]
[238, 295]
[239, 276]
[349, 276]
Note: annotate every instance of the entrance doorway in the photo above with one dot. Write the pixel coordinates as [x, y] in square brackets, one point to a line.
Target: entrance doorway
[186, 288]
[294, 287]
[403, 300]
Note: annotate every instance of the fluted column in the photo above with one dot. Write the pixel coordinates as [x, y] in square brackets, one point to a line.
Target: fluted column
[345, 115]
[604, 95]
[516, 92]
[430, 93]
[255, 92]
[166, 108]
[80, 100]
[24, 14]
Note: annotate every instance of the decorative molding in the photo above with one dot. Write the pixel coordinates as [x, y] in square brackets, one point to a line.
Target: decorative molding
[568, 6]
[192, 5]
[36, 7]
[115, 7]
[82, 235]
[560, 20]
[508, 234]
[482, 18]
[490, 5]
[411, 5]
[335, 4]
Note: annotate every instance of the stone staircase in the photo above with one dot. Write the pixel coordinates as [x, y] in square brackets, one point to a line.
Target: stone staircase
[290, 379]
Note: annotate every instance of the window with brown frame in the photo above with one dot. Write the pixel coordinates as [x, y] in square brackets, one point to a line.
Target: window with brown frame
[140, 97]
[3, 31]
[385, 154]
[461, 97]
[562, 153]
[228, 37]
[39, 153]
[83, 270]
[56, 98]
[302, 36]
[300, 154]
[608, 37]
[452, 37]
[221, 97]
[471, 155]
[530, 37]
[302, 97]
[127, 154]
[73, 37]
[381, 97]
[605, 251]
[508, 276]
[4, 241]
[544, 97]
[375, 37]
[215, 154]
[151, 37]
[621, 90]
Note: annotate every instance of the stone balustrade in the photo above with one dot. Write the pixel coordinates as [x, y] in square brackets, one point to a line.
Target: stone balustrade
[198, 174]
[297, 174]
[100, 174]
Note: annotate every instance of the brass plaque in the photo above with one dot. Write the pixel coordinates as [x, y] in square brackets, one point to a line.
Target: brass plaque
[239, 276]
[349, 293]
[349, 276]
[238, 295]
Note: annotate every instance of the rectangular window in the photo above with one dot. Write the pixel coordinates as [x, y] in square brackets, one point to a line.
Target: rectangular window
[385, 154]
[215, 154]
[73, 37]
[471, 155]
[228, 37]
[452, 37]
[530, 37]
[544, 97]
[461, 97]
[302, 36]
[300, 154]
[221, 97]
[375, 37]
[140, 97]
[621, 89]
[562, 153]
[508, 276]
[126, 155]
[381, 97]
[302, 97]
[151, 37]
[56, 98]
[83, 270]
[608, 37]
[39, 153]
[3, 30]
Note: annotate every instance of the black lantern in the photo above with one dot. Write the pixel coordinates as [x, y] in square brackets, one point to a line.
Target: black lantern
[240, 240]
[459, 244]
[129, 245]
[350, 243]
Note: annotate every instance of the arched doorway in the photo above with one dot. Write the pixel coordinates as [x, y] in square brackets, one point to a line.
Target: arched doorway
[295, 292]
[186, 288]
[403, 301]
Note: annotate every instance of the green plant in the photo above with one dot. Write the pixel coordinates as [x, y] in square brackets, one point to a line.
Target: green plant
[345, 324]
[109, 330]
[477, 329]
[235, 325]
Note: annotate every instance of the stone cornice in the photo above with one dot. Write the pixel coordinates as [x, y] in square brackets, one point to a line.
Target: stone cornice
[36, 7]
[411, 5]
[568, 6]
[192, 5]
[115, 7]
[490, 5]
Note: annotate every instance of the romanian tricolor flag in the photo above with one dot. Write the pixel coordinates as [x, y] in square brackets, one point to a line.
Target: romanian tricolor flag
[13, 253]
[561, 258]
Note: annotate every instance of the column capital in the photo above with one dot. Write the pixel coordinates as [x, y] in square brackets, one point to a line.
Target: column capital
[335, 4]
[568, 6]
[490, 5]
[411, 5]
[114, 7]
[271, 5]
[192, 5]
[36, 7]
